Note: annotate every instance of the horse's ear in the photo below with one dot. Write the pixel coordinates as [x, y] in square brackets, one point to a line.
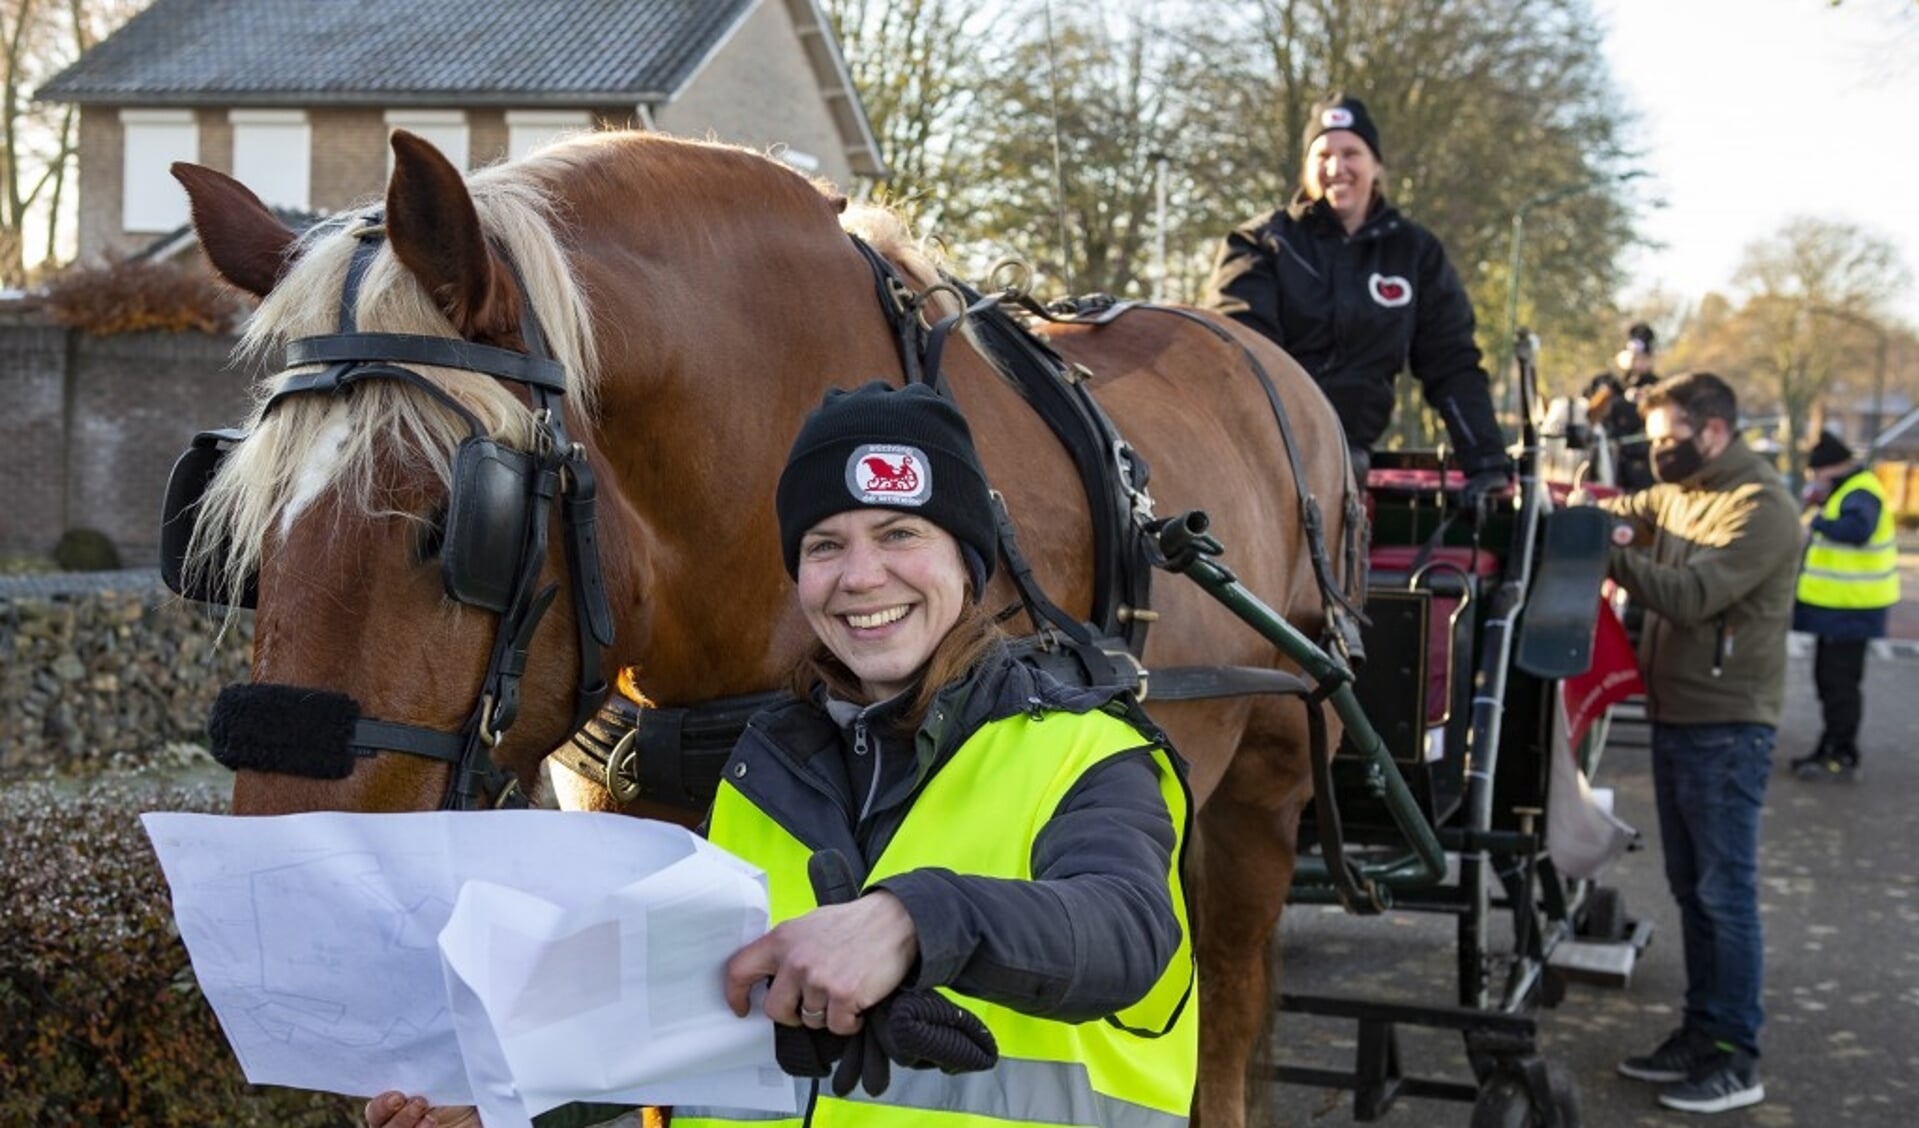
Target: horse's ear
[241, 236]
[433, 228]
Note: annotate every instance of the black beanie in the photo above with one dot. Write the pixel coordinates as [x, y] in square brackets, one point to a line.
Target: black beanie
[1639, 338]
[1339, 111]
[891, 448]
[1830, 450]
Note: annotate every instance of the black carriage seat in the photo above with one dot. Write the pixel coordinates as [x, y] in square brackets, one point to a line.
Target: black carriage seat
[1423, 603]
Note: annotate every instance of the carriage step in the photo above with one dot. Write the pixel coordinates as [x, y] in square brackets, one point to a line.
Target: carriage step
[1606, 963]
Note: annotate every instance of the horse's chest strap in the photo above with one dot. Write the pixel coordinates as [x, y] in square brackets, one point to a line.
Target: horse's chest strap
[664, 754]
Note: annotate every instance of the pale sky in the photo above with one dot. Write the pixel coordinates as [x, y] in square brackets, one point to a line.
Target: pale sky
[1757, 111]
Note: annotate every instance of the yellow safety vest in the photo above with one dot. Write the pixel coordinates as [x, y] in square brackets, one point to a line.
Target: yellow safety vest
[1136, 1069]
[1852, 577]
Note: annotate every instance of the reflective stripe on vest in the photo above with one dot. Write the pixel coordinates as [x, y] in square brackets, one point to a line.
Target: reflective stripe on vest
[1852, 577]
[1136, 1070]
[1012, 1093]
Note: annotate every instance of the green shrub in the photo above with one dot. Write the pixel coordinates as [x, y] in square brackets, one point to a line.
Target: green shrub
[86, 550]
[101, 1020]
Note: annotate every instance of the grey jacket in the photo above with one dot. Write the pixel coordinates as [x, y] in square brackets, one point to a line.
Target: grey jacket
[1716, 579]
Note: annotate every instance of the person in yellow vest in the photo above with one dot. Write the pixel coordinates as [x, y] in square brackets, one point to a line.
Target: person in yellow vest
[970, 864]
[1847, 584]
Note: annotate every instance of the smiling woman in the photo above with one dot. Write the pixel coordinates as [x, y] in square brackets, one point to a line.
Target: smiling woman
[1356, 291]
[887, 526]
[931, 812]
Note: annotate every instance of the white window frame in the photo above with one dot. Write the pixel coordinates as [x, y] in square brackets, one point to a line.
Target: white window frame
[447, 130]
[150, 201]
[527, 130]
[273, 155]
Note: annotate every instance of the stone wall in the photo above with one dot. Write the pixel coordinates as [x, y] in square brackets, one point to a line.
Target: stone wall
[88, 677]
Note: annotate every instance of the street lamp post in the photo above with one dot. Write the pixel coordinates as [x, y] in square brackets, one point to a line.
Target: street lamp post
[1518, 240]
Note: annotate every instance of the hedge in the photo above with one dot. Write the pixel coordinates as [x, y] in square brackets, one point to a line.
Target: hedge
[101, 1020]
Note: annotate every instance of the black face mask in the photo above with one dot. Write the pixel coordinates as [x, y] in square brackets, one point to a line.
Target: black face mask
[1679, 461]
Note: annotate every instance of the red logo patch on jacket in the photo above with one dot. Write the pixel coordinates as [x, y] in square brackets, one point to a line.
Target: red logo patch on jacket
[1389, 290]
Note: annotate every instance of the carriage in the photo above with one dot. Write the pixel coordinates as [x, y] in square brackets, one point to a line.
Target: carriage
[475, 512]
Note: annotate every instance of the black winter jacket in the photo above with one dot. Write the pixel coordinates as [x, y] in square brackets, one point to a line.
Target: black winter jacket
[1093, 931]
[1355, 310]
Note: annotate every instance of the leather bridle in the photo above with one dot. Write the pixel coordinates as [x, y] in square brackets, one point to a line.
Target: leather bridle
[499, 509]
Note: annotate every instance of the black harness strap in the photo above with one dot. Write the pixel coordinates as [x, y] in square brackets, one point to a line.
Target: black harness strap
[1340, 602]
[446, 352]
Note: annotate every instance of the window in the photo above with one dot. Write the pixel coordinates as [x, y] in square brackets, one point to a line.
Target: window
[445, 129]
[527, 130]
[273, 155]
[150, 200]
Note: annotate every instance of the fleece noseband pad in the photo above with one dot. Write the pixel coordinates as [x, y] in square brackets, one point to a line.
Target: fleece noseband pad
[284, 729]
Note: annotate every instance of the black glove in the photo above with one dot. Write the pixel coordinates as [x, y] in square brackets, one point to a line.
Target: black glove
[1481, 491]
[805, 1052]
[919, 1029]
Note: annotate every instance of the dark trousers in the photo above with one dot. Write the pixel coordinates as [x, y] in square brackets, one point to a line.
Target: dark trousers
[1838, 668]
[1710, 784]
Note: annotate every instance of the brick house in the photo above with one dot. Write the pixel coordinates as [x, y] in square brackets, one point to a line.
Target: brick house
[296, 97]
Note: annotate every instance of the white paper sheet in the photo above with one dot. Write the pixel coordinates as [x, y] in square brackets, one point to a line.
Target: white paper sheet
[514, 959]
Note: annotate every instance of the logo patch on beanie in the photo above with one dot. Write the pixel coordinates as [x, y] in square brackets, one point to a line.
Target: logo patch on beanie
[1389, 290]
[1336, 117]
[889, 474]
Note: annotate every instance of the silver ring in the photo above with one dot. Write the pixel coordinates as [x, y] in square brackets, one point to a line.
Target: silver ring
[811, 1015]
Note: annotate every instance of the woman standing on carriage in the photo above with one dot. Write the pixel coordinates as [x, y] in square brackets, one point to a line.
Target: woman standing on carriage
[1009, 840]
[1356, 292]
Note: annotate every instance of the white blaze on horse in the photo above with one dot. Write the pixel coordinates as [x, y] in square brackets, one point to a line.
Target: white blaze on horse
[695, 300]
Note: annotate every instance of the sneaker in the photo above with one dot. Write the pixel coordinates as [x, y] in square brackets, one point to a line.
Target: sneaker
[1824, 767]
[1812, 763]
[1730, 1080]
[1683, 1052]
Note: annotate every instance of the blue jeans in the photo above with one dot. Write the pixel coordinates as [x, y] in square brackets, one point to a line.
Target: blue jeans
[1711, 781]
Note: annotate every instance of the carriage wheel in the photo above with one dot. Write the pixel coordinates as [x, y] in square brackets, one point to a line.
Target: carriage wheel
[1507, 1102]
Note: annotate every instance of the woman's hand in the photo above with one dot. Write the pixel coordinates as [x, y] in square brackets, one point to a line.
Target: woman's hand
[397, 1110]
[828, 966]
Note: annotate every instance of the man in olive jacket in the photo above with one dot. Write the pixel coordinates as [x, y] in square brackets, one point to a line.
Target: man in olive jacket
[1711, 555]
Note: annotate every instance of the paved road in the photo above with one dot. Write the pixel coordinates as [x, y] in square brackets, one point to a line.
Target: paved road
[1840, 906]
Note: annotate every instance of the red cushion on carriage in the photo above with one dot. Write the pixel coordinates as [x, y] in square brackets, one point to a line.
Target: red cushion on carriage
[1397, 560]
[1412, 480]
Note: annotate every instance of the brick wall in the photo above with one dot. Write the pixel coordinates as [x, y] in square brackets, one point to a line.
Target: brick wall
[758, 91]
[32, 437]
[102, 168]
[349, 156]
[93, 425]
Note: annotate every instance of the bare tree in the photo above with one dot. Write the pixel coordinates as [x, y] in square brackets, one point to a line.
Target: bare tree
[37, 142]
[914, 63]
[1816, 309]
[1488, 109]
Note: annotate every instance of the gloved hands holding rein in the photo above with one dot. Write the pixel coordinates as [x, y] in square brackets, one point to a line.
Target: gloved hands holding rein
[912, 1027]
[1481, 492]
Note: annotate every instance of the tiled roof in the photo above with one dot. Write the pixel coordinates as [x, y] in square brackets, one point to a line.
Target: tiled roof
[400, 52]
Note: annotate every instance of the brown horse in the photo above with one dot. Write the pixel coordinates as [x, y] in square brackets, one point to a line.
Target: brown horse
[702, 298]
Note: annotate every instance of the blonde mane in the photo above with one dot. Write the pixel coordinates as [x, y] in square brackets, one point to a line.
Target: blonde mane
[313, 446]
